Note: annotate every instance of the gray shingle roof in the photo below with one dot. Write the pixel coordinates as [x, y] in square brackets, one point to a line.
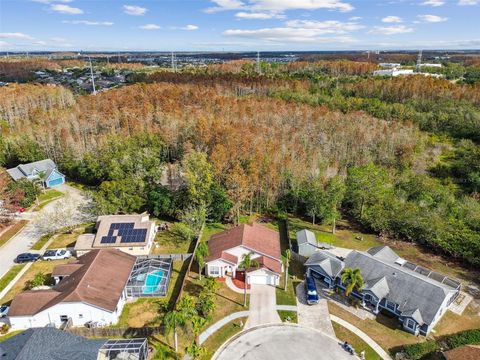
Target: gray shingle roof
[384, 253]
[411, 291]
[25, 170]
[379, 287]
[49, 344]
[306, 237]
[327, 262]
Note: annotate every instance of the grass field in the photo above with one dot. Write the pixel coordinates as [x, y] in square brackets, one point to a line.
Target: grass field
[358, 344]
[288, 316]
[14, 229]
[41, 242]
[226, 332]
[46, 197]
[10, 275]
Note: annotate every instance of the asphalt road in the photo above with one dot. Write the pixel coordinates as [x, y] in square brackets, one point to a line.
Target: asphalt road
[284, 342]
[30, 234]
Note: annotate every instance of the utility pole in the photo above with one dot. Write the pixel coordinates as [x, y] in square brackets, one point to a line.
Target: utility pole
[173, 65]
[258, 62]
[419, 60]
[93, 79]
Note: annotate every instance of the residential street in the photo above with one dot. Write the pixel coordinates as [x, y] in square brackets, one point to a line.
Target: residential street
[31, 233]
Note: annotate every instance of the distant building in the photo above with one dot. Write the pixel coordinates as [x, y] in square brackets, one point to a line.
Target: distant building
[393, 72]
[390, 65]
[433, 65]
[417, 296]
[133, 234]
[90, 289]
[32, 172]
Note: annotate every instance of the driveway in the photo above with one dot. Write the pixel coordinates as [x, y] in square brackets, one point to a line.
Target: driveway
[313, 316]
[283, 342]
[262, 306]
[30, 234]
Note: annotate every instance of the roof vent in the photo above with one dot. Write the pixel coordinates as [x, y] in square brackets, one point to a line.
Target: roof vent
[400, 261]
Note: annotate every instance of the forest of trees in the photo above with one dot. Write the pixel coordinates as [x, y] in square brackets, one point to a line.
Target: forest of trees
[335, 142]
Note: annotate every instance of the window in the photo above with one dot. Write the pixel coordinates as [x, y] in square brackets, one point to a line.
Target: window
[214, 270]
[80, 316]
[390, 305]
[411, 324]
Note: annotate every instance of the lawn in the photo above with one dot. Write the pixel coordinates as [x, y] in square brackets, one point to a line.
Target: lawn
[10, 275]
[46, 197]
[9, 335]
[452, 323]
[45, 267]
[68, 239]
[41, 242]
[358, 344]
[385, 331]
[288, 316]
[214, 342]
[167, 242]
[347, 235]
[211, 229]
[12, 231]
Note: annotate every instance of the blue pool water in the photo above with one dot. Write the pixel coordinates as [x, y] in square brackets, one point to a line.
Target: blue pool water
[152, 281]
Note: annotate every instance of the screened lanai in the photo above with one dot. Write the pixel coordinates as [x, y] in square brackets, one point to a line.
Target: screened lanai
[150, 277]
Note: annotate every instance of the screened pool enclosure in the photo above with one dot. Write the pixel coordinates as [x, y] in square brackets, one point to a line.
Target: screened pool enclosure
[149, 277]
[124, 349]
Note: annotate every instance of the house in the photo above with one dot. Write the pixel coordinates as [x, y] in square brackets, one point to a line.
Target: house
[418, 297]
[51, 344]
[393, 72]
[390, 65]
[34, 171]
[90, 289]
[307, 243]
[466, 352]
[227, 248]
[133, 234]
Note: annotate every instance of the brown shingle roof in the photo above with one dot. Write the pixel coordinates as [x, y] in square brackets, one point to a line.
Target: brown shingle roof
[270, 264]
[66, 269]
[255, 237]
[467, 352]
[99, 281]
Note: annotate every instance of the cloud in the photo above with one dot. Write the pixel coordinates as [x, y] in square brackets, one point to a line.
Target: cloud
[392, 19]
[259, 15]
[66, 9]
[301, 31]
[4, 43]
[355, 18]
[432, 18]
[52, 1]
[467, 2]
[279, 5]
[134, 10]
[150, 27]
[88, 22]
[434, 3]
[190, 27]
[391, 30]
[15, 35]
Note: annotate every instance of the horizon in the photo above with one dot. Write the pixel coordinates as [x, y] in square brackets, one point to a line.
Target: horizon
[238, 25]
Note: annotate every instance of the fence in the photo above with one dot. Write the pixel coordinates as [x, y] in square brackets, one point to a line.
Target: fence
[111, 332]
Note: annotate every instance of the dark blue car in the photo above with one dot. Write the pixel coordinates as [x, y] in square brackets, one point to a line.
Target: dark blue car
[311, 289]
[27, 257]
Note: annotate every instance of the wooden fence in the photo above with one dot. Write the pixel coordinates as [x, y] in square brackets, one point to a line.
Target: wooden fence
[113, 332]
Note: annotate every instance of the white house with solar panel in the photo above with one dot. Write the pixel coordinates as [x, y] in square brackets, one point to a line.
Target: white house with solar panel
[133, 234]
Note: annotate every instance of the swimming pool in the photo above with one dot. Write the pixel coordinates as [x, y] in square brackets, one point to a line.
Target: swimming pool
[152, 281]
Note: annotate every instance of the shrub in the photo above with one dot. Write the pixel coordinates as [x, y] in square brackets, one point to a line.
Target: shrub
[4, 329]
[183, 231]
[417, 351]
[38, 280]
[468, 337]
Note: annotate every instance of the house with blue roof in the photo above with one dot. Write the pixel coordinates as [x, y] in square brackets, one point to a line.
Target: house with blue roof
[45, 171]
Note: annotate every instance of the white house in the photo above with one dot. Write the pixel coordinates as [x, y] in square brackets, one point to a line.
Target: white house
[90, 289]
[393, 72]
[227, 248]
[133, 234]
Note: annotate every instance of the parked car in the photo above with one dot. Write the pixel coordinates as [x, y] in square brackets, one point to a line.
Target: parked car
[311, 289]
[4, 311]
[56, 254]
[27, 257]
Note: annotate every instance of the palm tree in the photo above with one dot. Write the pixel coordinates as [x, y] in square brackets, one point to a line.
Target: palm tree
[198, 324]
[200, 254]
[246, 263]
[288, 256]
[352, 279]
[171, 321]
[195, 351]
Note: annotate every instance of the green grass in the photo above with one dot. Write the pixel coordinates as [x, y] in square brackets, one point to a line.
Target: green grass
[10, 275]
[358, 344]
[223, 334]
[288, 316]
[14, 229]
[9, 335]
[46, 198]
[41, 242]
[211, 229]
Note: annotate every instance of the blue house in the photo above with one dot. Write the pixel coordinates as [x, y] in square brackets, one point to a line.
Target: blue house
[32, 171]
[416, 296]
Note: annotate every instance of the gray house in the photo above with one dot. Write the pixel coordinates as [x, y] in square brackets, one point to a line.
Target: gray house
[31, 171]
[308, 244]
[418, 297]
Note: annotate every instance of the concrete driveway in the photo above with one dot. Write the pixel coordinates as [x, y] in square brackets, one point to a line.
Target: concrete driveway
[283, 342]
[313, 316]
[263, 303]
[30, 234]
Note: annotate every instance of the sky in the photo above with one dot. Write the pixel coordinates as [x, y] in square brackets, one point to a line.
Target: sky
[238, 25]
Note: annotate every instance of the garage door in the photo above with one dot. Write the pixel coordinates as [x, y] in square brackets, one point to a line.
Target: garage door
[55, 182]
[262, 279]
